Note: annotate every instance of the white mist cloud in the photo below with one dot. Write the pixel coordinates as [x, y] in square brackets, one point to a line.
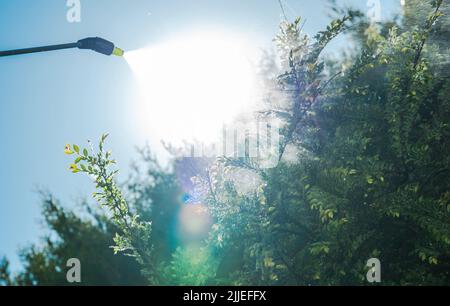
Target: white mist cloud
[193, 84]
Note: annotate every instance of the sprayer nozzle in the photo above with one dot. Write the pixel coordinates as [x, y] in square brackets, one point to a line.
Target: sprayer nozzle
[118, 52]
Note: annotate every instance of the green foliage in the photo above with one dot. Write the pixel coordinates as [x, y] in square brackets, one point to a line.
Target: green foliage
[135, 234]
[5, 279]
[372, 176]
[370, 179]
[153, 193]
[71, 236]
[190, 266]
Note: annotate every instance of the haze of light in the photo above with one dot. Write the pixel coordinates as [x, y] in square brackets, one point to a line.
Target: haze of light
[192, 85]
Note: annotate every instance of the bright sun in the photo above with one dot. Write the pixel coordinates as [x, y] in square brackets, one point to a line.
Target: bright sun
[193, 84]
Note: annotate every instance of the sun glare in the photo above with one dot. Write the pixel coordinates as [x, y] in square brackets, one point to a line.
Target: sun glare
[193, 84]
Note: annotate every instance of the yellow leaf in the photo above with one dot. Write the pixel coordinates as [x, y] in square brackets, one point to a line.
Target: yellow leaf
[268, 262]
[68, 150]
[74, 168]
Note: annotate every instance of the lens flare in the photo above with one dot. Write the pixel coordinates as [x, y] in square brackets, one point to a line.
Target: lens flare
[194, 223]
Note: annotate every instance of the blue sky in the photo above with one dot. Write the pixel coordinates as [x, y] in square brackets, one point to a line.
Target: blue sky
[50, 99]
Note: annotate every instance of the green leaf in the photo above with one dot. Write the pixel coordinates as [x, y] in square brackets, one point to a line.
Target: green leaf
[104, 136]
[76, 148]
